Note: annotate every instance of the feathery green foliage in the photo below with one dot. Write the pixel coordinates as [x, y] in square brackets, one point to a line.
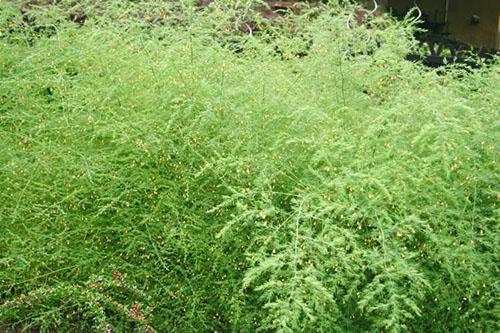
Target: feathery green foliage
[302, 178]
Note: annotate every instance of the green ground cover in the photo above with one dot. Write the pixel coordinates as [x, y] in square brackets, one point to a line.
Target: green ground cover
[162, 171]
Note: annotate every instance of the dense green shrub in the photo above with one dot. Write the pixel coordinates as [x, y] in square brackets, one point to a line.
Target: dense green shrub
[304, 178]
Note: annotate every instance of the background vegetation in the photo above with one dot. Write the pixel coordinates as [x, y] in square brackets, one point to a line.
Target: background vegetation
[161, 170]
